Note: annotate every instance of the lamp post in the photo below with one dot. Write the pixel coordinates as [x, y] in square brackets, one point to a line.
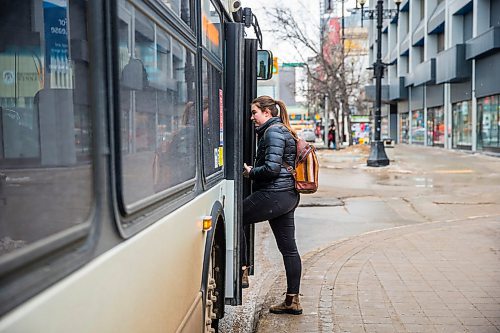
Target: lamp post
[378, 156]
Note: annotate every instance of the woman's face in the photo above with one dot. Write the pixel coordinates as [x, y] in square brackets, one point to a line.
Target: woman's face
[259, 117]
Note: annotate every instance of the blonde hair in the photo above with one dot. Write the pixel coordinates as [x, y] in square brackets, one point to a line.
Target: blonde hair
[267, 102]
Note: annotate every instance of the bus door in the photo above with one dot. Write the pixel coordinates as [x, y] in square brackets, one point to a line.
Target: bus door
[241, 74]
[234, 83]
[241, 89]
[250, 93]
[258, 65]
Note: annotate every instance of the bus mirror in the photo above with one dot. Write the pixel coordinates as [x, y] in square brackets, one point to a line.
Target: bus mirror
[264, 65]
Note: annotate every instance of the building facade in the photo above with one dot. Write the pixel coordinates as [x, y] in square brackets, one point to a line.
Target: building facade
[341, 25]
[442, 85]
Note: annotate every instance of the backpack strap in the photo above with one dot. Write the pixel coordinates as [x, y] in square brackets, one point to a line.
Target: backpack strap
[287, 166]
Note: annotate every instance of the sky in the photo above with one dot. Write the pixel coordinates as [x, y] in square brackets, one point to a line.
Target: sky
[306, 13]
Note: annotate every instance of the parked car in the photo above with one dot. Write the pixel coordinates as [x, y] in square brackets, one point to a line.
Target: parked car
[307, 134]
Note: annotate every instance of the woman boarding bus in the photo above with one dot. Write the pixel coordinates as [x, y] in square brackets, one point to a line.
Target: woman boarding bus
[112, 216]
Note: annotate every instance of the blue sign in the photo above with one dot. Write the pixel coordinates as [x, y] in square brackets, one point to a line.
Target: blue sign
[56, 34]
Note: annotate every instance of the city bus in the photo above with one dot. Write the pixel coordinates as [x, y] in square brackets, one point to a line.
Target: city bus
[124, 126]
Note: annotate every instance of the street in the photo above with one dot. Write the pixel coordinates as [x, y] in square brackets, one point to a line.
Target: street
[354, 231]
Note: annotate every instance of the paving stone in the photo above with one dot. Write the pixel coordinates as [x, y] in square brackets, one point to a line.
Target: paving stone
[374, 286]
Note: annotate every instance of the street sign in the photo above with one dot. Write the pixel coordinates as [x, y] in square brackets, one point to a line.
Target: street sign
[293, 64]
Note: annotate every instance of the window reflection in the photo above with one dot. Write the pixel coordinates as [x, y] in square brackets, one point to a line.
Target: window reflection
[404, 124]
[489, 121]
[45, 129]
[211, 28]
[182, 8]
[213, 154]
[462, 124]
[435, 126]
[157, 108]
[417, 127]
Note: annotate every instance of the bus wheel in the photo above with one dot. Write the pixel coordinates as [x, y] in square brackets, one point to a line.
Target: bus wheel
[211, 321]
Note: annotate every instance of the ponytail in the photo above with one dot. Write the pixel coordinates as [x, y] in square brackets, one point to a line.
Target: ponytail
[266, 102]
[284, 118]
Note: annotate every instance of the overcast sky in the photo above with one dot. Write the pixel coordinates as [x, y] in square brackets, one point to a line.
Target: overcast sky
[306, 12]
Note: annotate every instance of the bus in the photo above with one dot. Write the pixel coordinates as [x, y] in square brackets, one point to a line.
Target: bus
[299, 118]
[122, 124]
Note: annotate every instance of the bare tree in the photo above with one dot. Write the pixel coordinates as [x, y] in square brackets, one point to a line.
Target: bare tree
[332, 81]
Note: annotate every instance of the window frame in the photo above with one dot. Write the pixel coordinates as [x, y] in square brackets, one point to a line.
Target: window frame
[29, 271]
[169, 15]
[216, 58]
[213, 178]
[134, 217]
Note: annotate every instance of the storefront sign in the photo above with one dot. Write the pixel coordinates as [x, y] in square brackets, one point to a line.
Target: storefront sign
[56, 34]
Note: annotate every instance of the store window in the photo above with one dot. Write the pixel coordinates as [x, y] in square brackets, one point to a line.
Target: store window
[211, 28]
[213, 119]
[435, 126]
[488, 134]
[384, 127]
[46, 180]
[404, 125]
[417, 127]
[157, 109]
[462, 125]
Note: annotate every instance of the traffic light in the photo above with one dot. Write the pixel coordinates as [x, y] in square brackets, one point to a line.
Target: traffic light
[275, 65]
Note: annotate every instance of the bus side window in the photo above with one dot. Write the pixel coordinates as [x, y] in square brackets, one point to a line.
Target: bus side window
[213, 142]
[157, 109]
[46, 173]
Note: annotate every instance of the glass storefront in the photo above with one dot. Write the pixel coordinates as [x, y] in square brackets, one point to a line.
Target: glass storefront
[384, 127]
[404, 125]
[488, 122]
[462, 125]
[435, 126]
[417, 127]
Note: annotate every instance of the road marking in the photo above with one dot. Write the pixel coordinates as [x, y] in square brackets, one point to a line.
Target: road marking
[454, 171]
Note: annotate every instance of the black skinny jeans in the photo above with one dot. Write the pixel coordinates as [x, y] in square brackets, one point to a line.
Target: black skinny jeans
[279, 209]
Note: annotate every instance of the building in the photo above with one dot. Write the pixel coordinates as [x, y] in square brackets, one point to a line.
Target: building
[342, 27]
[442, 87]
[285, 86]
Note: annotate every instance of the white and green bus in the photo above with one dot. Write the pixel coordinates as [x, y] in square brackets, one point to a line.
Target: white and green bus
[124, 125]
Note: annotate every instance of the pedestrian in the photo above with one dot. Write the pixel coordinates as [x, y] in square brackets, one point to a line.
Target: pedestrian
[317, 131]
[331, 137]
[274, 197]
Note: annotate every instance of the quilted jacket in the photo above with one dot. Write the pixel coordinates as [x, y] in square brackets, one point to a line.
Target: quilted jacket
[275, 144]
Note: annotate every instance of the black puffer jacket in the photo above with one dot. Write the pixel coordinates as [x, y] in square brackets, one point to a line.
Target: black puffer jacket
[276, 144]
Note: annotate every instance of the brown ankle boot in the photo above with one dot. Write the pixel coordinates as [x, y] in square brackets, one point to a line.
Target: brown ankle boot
[244, 279]
[290, 305]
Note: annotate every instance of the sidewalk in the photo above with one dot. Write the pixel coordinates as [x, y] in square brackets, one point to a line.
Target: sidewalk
[437, 271]
[431, 277]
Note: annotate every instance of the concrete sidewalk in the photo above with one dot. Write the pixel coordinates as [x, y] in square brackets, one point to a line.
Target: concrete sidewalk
[430, 277]
[433, 265]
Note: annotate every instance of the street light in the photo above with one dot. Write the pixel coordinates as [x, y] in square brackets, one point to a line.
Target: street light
[377, 151]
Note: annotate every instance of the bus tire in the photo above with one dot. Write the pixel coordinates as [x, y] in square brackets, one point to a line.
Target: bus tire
[211, 322]
[214, 275]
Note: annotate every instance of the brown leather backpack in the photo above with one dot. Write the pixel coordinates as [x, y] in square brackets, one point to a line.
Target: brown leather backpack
[306, 167]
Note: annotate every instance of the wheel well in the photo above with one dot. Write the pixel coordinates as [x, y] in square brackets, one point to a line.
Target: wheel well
[219, 245]
[215, 249]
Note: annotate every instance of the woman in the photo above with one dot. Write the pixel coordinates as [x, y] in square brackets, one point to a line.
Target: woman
[274, 197]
